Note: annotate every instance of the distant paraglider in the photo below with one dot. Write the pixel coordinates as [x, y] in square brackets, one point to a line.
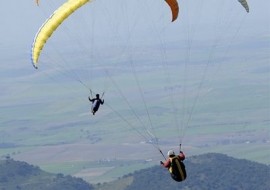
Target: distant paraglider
[37, 2]
[95, 103]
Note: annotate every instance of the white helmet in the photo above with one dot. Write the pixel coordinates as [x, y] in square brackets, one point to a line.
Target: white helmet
[171, 152]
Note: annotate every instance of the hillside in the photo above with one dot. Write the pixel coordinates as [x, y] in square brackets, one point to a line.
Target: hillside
[207, 171]
[20, 175]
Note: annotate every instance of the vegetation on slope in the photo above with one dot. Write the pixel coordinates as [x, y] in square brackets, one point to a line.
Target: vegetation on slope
[20, 175]
[207, 171]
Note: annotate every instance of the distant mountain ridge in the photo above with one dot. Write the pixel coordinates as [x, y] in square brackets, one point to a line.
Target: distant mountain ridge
[209, 171]
[16, 175]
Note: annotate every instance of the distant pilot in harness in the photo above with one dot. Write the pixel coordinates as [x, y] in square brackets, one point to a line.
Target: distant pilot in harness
[176, 166]
[95, 103]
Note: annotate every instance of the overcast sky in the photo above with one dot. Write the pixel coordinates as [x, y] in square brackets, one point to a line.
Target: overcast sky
[21, 19]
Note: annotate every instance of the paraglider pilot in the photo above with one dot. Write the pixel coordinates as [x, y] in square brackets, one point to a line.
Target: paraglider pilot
[176, 166]
[95, 103]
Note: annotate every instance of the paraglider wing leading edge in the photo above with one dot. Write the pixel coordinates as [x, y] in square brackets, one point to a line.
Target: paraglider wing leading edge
[51, 24]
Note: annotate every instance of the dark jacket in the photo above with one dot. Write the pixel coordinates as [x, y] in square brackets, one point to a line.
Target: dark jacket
[96, 103]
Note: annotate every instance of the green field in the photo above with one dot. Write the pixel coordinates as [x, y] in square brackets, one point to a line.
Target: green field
[45, 118]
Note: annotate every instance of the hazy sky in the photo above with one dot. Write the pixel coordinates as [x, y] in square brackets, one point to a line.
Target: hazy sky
[21, 19]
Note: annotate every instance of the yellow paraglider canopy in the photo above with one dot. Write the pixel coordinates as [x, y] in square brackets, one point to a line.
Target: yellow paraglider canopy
[51, 25]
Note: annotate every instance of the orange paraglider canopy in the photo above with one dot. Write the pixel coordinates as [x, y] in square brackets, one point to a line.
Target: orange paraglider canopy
[174, 7]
